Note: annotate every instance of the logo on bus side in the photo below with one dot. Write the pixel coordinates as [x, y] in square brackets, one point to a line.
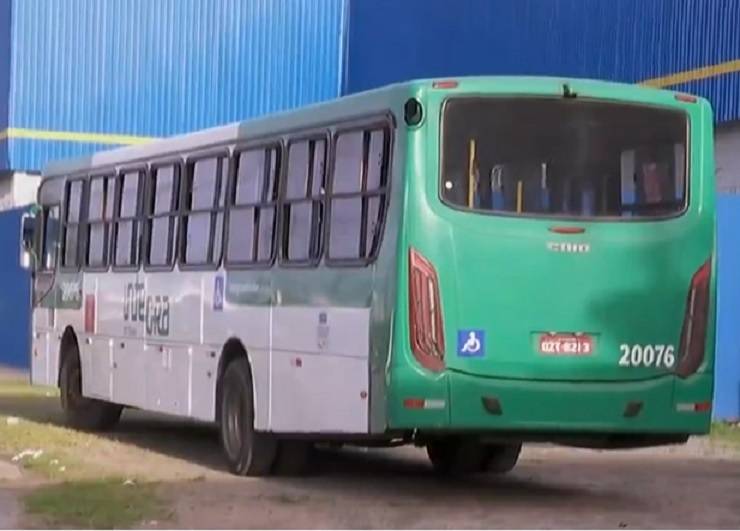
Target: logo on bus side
[568, 247]
[152, 310]
[71, 291]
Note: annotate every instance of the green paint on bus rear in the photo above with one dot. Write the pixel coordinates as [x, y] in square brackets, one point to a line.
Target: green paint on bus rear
[510, 278]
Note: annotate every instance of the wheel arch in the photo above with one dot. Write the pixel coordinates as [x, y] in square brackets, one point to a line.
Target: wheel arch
[232, 350]
[69, 346]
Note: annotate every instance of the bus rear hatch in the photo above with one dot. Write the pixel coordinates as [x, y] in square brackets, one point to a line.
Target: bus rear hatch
[572, 252]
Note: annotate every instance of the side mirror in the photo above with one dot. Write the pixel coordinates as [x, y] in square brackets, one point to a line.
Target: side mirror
[28, 238]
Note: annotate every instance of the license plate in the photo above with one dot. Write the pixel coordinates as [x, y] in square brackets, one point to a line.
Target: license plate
[566, 344]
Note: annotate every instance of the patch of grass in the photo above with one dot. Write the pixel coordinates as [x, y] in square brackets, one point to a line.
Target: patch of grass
[101, 504]
[728, 434]
[19, 389]
[27, 426]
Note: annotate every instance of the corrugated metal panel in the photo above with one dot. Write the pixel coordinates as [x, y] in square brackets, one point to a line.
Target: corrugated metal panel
[625, 40]
[727, 359]
[158, 68]
[15, 304]
[5, 18]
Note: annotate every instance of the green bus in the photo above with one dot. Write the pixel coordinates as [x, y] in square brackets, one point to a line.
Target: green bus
[462, 264]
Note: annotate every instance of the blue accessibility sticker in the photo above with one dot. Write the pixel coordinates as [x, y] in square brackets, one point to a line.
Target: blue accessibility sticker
[218, 294]
[471, 343]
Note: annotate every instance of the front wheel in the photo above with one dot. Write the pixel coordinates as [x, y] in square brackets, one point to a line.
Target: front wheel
[248, 452]
[80, 412]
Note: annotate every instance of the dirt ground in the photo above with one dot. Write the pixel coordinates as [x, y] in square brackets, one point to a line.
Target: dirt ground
[691, 486]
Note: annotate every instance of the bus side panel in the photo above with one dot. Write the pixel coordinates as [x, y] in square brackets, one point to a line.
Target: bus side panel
[43, 335]
[319, 369]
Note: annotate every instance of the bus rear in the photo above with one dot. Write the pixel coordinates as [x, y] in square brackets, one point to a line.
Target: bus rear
[557, 267]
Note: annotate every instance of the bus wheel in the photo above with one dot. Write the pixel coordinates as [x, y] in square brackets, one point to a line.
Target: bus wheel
[293, 458]
[456, 456]
[248, 452]
[501, 458]
[80, 412]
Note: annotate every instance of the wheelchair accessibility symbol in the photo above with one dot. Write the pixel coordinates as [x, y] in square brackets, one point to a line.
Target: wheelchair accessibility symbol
[471, 343]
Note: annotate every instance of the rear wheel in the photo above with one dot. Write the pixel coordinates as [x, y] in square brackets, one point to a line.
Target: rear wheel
[80, 412]
[248, 452]
[456, 456]
[501, 458]
[293, 457]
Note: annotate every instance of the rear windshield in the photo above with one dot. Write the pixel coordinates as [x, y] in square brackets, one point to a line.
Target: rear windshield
[563, 157]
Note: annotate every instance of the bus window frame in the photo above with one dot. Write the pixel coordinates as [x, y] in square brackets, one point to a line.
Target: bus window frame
[264, 144]
[173, 214]
[141, 169]
[188, 162]
[383, 123]
[561, 217]
[48, 204]
[283, 237]
[107, 244]
[81, 224]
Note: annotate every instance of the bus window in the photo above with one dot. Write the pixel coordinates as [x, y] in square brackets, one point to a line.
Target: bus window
[302, 205]
[161, 214]
[357, 201]
[71, 227]
[100, 211]
[556, 157]
[346, 199]
[127, 227]
[50, 240]
[252, 211]
[204, 211]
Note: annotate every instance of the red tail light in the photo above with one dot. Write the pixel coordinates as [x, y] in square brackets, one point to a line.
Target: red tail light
[694, 330]
[425, 313]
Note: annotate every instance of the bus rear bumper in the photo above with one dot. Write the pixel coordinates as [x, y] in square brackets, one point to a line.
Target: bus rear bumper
[464, 402]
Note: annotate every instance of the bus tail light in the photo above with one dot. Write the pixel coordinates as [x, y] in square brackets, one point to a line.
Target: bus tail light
[425, 313]
[696, 317]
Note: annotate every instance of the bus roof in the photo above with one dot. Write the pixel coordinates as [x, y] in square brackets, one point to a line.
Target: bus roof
[308, 116]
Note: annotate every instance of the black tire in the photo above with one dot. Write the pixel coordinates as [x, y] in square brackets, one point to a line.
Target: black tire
[293, 458]
[83, 413]
[456, 456]
[501, 458]
[248, 452]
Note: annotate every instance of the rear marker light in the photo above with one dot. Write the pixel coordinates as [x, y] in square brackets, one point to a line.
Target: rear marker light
[421, 403]
[447, 84]
[567, 230]
[694, 329]
[686, 98]
[426, 327]
[691, 407]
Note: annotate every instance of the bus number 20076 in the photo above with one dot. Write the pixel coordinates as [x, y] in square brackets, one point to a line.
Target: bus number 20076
[647, 356]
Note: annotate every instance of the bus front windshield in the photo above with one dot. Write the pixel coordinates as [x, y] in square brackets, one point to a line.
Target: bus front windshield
[563, 157]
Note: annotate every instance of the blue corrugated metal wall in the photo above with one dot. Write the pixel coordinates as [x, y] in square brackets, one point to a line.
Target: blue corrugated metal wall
[626, 40]
[727, 384]
[158, 68]
[5, 18]
[15, 297]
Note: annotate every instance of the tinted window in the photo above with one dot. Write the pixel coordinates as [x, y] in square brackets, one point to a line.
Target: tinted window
[358, 195]
[50, 242]
[99, 215]
[127, 226]
[574, 158]
[72, 223]
[252, 214]
[161, 212]
[205, 205]
[303, 205]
